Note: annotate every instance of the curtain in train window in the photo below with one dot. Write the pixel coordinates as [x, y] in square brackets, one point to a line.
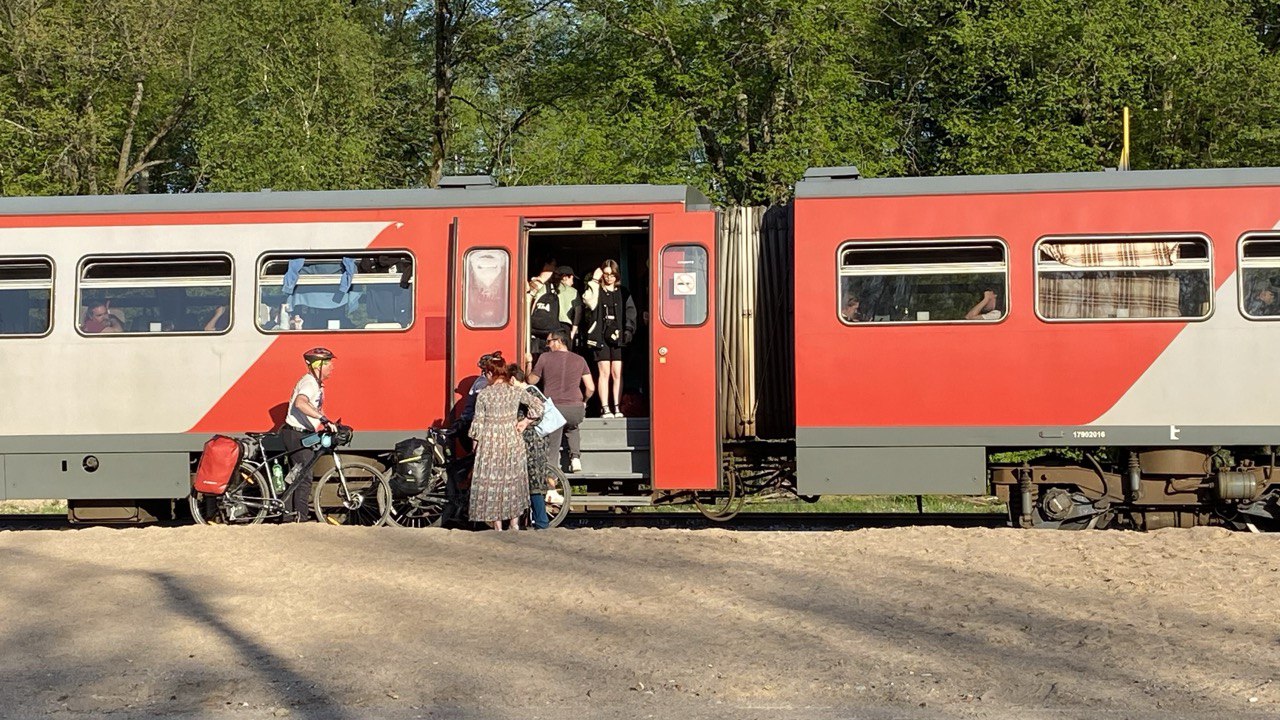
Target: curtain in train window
[923, 281]
[1260, 277]
[486, 277]
[683, 300]
[26, 296]
[153, 294]
[1103, 279]
[343, 291]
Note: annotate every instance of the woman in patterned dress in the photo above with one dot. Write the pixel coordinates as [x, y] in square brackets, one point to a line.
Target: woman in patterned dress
[500, 479]
[535, 450]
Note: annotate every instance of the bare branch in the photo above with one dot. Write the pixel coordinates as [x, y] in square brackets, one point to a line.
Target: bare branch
[23, 128]
[126, 145]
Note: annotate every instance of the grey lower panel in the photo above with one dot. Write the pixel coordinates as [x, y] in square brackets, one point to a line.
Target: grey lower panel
[109, 476]
[380, 441]
[128, 466]
[1039, 436]
[891, 470]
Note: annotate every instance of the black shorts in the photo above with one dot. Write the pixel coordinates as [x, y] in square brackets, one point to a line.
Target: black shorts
[605, 353]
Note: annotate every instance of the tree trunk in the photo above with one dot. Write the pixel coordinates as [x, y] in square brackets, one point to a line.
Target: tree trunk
[443, 76]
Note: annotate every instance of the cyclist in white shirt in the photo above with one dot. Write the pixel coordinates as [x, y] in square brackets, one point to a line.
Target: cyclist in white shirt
[305, 416]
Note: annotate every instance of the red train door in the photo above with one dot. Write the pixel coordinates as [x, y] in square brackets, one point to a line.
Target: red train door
[685, 434]
[485, 297]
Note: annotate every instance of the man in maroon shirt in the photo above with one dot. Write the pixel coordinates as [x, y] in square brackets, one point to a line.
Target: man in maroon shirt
[98, 319]
[563, 376]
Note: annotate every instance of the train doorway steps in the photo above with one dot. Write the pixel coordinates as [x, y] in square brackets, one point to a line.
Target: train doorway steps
[614, 449]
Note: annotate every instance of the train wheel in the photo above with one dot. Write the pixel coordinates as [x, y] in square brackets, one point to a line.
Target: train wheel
[1066, 508]
[244, 502]
[559, 496]
[425, 509]
[366, 499]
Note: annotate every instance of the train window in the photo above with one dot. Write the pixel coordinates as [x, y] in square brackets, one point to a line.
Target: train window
[342, 291]
[486, 275]
[26, 296]
[923, 281]
[684, 285]
[155, 294]
[1260, 276]
[1124, 278]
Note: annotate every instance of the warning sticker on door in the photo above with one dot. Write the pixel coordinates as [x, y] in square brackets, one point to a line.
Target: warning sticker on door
[686, 283]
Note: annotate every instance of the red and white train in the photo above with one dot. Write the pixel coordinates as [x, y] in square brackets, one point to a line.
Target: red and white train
[903, 332]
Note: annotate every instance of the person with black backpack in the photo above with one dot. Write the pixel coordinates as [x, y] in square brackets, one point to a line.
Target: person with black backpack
[544, 315]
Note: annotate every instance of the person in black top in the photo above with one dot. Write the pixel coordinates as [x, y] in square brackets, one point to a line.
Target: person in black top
[610, 328]
[544, 315]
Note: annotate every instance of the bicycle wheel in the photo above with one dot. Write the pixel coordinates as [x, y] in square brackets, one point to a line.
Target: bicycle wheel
[427, 508]
[243, 503]
[558, 497]
[365, 499]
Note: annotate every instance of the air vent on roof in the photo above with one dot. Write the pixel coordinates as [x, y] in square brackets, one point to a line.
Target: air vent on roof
[467, 181]
[848, 172]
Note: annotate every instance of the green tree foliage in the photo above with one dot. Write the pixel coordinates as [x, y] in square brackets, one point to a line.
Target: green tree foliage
[736, 96]
[767, 86]
[1039, 85]
[402, 121]
[289, 97]
[91, 92]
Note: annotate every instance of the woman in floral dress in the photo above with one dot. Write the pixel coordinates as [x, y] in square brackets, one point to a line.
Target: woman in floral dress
[535, 450]
[500, 479]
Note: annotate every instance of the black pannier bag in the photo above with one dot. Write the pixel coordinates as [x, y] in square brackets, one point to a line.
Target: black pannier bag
[411, 467]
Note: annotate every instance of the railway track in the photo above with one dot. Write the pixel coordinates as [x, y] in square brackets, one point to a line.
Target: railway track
[756, 521]
[784, 521]
[35, 522]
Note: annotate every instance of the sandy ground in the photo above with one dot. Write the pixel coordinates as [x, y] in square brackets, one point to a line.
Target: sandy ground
[317, 622]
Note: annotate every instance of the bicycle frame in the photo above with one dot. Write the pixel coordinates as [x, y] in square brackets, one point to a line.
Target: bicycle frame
[274, 502]
[260, 464]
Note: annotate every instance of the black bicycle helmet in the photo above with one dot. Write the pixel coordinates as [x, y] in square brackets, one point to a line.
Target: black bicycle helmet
[317, 354]
[483, 364]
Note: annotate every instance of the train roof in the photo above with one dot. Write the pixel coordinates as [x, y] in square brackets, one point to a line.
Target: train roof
[454, 193]
[845, 182]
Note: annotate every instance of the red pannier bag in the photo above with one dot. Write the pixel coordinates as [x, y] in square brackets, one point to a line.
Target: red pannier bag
[217, 465]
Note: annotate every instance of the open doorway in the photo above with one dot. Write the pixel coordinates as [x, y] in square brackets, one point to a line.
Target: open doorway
[583, 245]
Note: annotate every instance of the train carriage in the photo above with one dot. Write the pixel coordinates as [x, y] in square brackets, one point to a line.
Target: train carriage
[1091, 347]
[1132, 310]
[407, 287]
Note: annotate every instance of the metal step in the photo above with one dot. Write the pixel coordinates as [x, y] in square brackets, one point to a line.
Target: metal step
[592, 440]
[626, 422]
[582, 477]
[614, 434]
[615, 461]
[612, 500]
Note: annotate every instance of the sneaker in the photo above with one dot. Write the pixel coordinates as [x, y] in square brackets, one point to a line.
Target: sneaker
[575, 465]
[605, 414]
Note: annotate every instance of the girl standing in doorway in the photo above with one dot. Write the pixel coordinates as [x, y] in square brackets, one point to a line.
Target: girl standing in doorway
[610, 328]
